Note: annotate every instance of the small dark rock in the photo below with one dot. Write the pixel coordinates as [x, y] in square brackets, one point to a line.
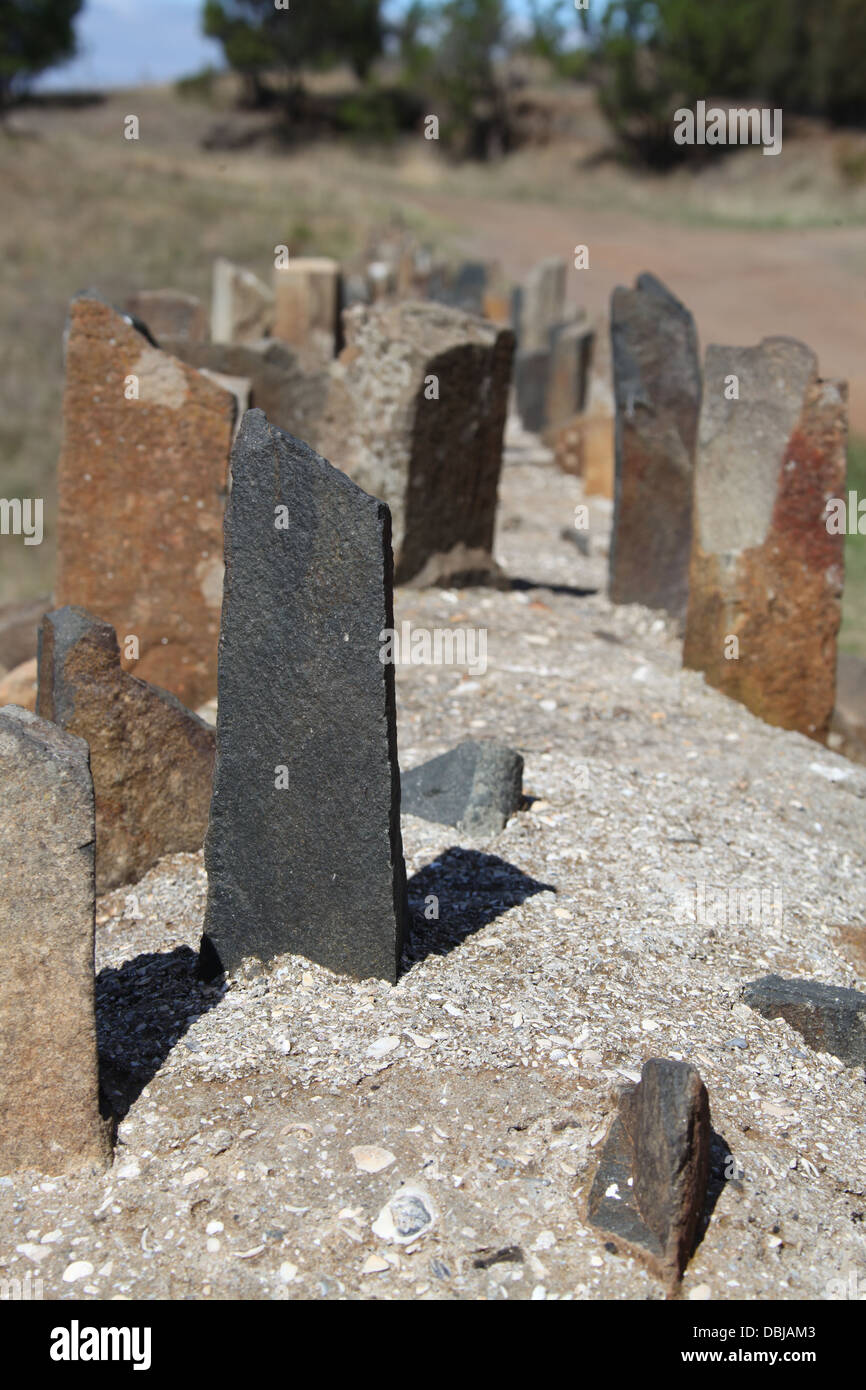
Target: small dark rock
[651, 1184]
[829, 1017]
[509, 1254]
[474, 787]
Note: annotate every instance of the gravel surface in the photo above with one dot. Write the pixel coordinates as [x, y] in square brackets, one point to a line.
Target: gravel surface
[266, 1126]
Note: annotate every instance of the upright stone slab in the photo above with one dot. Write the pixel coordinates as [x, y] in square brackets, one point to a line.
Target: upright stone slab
[465, 287]
[151, 759]
[291, 396]
[657, 388]
[142, 482]
[766, 572]
[49, 1075]
[566, 442]
[19, 624]
[303, 851]
[242, 306]
[597, 420]
[531, 378]
[568, 374]
[169, 313]
[307, 293]
[416, 416]
[541, 304]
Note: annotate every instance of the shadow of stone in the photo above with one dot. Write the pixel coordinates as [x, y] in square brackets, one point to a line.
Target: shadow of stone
[721, 1164]
[142, 1010]
[526, 584]
[470, 889]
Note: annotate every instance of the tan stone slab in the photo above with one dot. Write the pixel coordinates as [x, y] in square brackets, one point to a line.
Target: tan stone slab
[18, 686]
[49, 1078]
[242, 306]
[307, 294]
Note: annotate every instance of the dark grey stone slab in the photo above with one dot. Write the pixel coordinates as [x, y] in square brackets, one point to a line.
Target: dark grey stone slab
[465, 289]
[829, 1017]
[650, 1187]
[474, 787]
[531, 377]
[314, 867]
[657, 386]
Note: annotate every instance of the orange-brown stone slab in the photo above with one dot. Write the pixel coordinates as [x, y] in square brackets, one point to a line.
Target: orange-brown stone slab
[142, 486]
[566, 441]
[49, 1076]
[766, 573]
[151, 759]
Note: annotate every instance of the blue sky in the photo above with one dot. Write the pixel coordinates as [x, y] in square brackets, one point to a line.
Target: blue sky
[126, 42]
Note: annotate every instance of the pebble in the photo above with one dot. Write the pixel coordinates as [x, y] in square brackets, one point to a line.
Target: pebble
[33, 1252]
[193, 1175]
[406, 1216]
[370, 1159]
[79, 1269]
[382, 1046]
[375, 1264]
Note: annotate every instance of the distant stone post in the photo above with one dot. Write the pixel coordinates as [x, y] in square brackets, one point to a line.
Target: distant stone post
[657, 387]
[307, 291]
[767, 565]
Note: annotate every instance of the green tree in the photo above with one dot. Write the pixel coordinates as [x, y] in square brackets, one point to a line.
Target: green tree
[257, 37]
[654, 56]
[449, 51]
[34, 35]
